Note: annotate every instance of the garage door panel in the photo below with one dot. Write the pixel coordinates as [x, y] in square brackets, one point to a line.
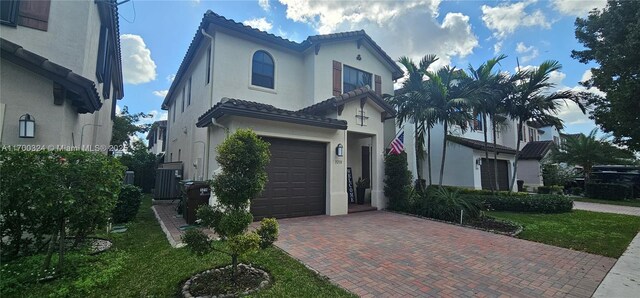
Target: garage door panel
[296, 183]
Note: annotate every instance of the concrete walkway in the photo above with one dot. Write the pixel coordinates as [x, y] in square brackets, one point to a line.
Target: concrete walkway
[606, 208]
[172, 224]
[624, 278]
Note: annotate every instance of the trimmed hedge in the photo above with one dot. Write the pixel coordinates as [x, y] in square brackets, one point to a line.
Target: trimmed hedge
[609, 191]
[397, 182]
[518, 201]
[540, 203]
[553, 189]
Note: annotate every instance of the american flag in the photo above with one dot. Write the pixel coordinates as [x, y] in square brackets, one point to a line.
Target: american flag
[397, 145]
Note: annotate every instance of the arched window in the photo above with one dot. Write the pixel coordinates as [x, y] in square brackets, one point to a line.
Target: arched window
[262, 70]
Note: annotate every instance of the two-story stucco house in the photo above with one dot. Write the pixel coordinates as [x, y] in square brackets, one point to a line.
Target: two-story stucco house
[156, 137]
[317, 102]
[466, 164]
[60, 73]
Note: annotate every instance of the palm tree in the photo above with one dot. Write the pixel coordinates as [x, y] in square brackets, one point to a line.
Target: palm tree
[450, 92]
[488, 94]
[413, 105]
[588, 150]
[532, 102]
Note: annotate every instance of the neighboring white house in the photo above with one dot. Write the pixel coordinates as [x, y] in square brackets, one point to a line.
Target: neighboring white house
[466, 164]
[156, 137]
[534, 152]
[317, 102]
[60, 73]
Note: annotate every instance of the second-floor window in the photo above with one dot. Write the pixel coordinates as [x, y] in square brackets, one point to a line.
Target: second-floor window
[477, 122]
[262, 70]
[532, 134]
[189, 94]
[354, 78]
[9, 12]
[183, 94]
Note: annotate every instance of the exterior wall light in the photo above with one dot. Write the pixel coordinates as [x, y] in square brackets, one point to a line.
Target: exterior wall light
[27, 126]
[339, 150]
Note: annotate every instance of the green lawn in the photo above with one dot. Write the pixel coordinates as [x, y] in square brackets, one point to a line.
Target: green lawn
[599, 233]
[632, 203]
[143, 264]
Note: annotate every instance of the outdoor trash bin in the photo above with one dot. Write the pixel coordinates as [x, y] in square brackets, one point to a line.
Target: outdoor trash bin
[197, 194]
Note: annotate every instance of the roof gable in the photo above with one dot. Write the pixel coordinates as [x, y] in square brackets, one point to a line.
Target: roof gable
[218, 21]
[335, 102]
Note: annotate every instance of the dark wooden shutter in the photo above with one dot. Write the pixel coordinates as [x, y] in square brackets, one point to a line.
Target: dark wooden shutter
[34, 14]
[103, 54]
[337, 78]
[379, 85]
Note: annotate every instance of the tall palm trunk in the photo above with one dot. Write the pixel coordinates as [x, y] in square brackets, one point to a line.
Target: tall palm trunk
[417, 151]
[444, 151]
[429, 153]
[495, 152]
[515, 164]
[486, 144]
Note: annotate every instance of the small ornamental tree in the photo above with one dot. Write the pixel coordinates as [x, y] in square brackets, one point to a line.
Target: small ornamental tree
[243, 158]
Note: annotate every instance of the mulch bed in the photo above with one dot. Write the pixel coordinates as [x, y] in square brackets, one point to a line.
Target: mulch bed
[487, 224]
[496, 225]
[93, 245]
[218, 282]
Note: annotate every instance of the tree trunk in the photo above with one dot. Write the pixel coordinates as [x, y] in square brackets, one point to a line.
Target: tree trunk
[444, 151]
[62, 246]
[495, 153]
[52, 242]
[486, 147]
[515, 164]
[416, 146]
[234, 268]
[429, 153]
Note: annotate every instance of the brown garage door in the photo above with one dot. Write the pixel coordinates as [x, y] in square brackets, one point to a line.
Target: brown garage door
[297, 180]
[487, 174]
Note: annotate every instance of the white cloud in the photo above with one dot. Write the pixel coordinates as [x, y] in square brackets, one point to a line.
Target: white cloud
[137, 65]
[264, 4]
[505, 19]
[577, 8]
[160, 93]
[118, 109]
[385, 21]
[529, 52]
[171, 77]
[259, 23]
[155, 116]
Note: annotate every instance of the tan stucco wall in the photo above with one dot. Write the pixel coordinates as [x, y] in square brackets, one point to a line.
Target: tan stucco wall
[71, 41]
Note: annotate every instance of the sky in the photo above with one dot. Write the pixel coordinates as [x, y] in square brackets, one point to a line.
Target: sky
[155, 36]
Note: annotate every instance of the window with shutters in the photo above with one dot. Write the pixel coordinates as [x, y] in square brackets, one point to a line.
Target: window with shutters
[34, 14]
[103, 54]
[9, 12]
[354, 78]
[262, 70]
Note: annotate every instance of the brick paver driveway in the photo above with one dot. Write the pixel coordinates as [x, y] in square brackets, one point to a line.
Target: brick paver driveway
[383, 254]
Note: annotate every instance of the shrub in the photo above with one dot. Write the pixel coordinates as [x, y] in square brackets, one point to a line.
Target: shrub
[445, 204]
[197, 241]
[52, 193]
[397, 181]
[554, 189]
[531, 203]
[576, 191]
[268, 232]
[128, 204]
[554, 174]
[609, 191]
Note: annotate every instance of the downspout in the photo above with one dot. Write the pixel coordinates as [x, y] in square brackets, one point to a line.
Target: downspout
[213, 121]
